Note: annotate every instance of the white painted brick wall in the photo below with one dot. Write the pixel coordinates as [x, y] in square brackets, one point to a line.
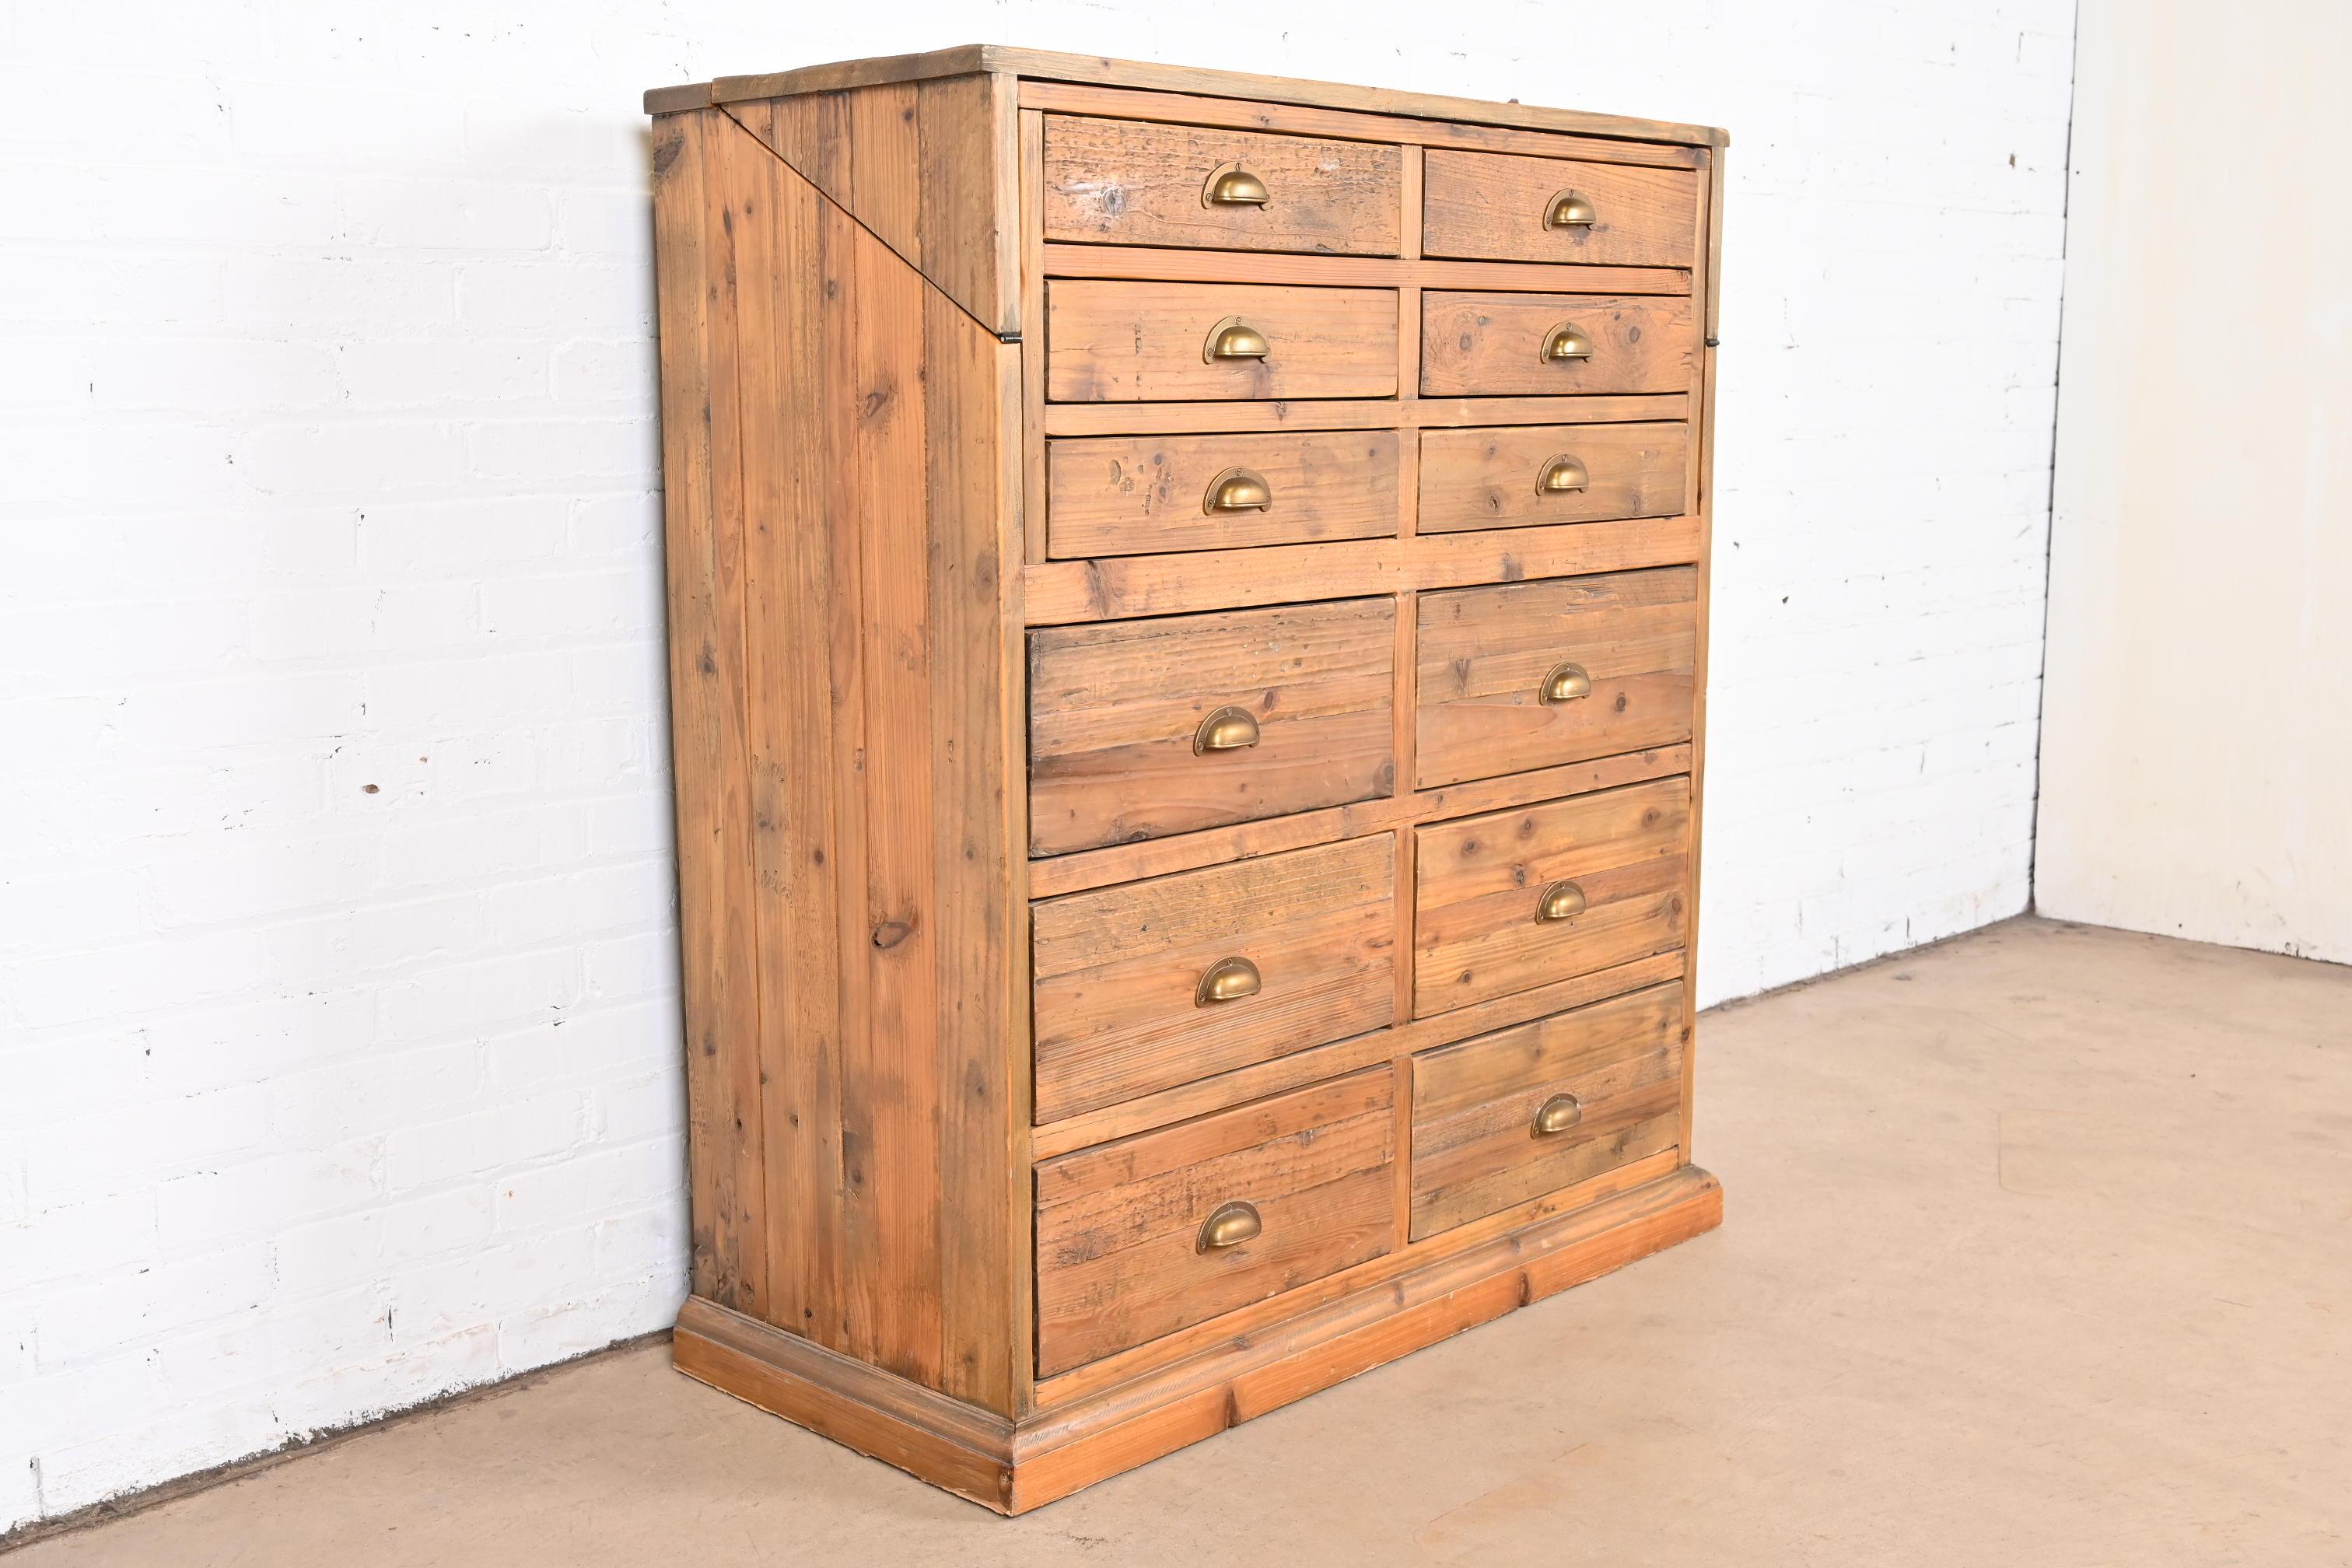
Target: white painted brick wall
[327, 461]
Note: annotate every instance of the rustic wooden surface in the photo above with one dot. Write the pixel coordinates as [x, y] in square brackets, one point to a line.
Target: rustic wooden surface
[1485, 654]
[1474, 1105]
[1118, 1262]
[1144, 495]
[1492, 206]
[1116, 971]
[1142, 343]
[1475, 931]
[1481, 345]
[1480, 478]
[1120, 182]
[1113, 711]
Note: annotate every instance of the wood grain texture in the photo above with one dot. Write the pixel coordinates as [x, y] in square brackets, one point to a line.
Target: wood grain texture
[1143, 495]
[1116, 970]
[1130, 342]
[1165, 266]
[1118, 1257]
[1485, 344]
[1409, 413]
[1048, 65]
[1113, 711]
[928, 167]
[1474, 1104]
[871, 903]
[1476, 934]
[1121, 182]
[1070, 591]
[1486, 652]
[1479, 478]
[1493, 206]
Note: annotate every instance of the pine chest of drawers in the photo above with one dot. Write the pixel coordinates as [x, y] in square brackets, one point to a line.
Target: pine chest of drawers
[1188, 628]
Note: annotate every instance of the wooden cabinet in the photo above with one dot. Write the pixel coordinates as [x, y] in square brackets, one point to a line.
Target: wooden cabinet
[1188, 676]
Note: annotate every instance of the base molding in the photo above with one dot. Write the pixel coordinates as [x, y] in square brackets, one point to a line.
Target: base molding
[1014, 1466]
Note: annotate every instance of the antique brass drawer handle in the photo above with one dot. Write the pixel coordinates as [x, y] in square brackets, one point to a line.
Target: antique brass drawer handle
[1569, 210]
[1566, 683]
[1227, 980]
[1234, 338]
[1231, 185]
[1232, 1224]
[1565, 341]
[1563, 900]
[1238, 490]
[1562, 475]
[1557, 1114]
[1226, 730]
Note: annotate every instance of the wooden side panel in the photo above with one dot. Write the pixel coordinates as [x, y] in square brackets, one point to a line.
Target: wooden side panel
[1119, 970]
[1475, 1148]
[928, 167]
[1142, 495]
[1123, 182]
[869, 894]
[1489, 206]
[1120, 1259]
[1485, 654]
[1488, 345]
[702, 516]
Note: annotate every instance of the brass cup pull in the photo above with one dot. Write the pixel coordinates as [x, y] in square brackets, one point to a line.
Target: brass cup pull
[1565, 683]
[1563, 900]
[1234, 338]
[1226, 730]
[1561, 476]
[1569, 210]
[1231, 185]
[1565, 341]
[1232, 1224]
[1227, 980]
[1557, 1114]
[1238, 490]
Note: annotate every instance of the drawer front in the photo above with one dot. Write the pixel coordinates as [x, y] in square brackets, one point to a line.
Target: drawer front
[1145, 343]
[1510, 1116]
[1524, 475]
[1491, 206]
[1485, 345]
[1154, 984]
[1299, 1187]
[1141, 729]
[1528, 675]
[1125, 182]
[1517, 898]
[1143, 495]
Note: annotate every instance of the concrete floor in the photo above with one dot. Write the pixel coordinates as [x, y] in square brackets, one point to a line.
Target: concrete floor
[2037, 1250]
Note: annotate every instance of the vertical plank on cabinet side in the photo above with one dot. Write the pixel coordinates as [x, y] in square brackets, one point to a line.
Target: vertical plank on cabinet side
[1408, 663]
[902, 1177]
[1033, 342]
[1702, 506]
[702, 525]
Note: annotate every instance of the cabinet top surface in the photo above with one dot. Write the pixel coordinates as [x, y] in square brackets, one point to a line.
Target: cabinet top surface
[1047, 66]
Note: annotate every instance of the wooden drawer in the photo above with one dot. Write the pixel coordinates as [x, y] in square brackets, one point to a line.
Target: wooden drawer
[1510, 1116]
[1491, 206]
[1126, 182]
[1483, 345]
[1121, 715]
[1524, 474]
[1122, 1253]
[1499, 670]
[1143, 342]
[1516, 898]
[1143, 495]
[1124, 977]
